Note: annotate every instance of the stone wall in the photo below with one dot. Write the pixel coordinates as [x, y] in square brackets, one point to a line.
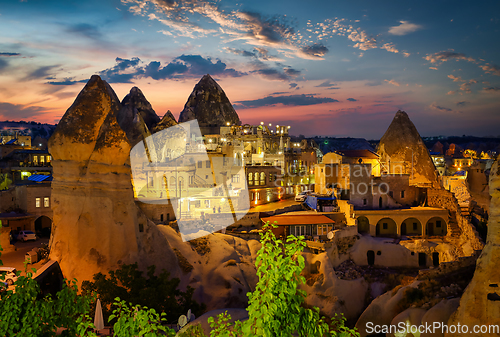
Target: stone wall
[159, 213]
[348, 210]
[7, 200]
[469, 238]
[446, 268]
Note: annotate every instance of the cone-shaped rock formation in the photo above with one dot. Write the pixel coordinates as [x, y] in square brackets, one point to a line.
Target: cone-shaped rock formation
[402, 151]
[209, 105]
[136, 116]
[167, 121]
[96, 224]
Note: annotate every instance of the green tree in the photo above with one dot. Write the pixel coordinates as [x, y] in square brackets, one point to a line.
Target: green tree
[276, 307]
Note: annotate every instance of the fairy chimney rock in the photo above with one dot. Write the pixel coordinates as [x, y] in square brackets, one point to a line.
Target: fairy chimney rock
[209, 105]
[137, 117]
[96, 224]
[402, 151]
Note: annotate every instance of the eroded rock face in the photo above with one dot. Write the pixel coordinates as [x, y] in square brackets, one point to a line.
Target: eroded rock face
[480, 303]
[167, 121]
[96, 224]
[209, 105]
[395, 150]
[136, 116]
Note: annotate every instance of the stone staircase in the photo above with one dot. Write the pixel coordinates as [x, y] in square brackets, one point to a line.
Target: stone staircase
[453, 228]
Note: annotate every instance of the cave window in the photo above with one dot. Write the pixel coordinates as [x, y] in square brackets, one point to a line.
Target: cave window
[415, 226]
[364, 202]
[384, 225]
[438, 224]
[379, 253]
[402, 194]
[141, 227]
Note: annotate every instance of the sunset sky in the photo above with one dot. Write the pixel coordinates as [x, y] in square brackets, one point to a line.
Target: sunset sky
[336, 68]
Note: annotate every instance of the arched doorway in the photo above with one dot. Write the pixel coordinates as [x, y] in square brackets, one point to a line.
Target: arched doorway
[387, 227]
[411, 226]
[422, 260]
[370, 256]
[436, 227]
[43, 225]
[435, 259]
[363, 225]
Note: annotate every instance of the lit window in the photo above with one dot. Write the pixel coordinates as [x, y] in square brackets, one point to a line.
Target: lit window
[262, 178]
[46, 202]
[42, 159]
[37, 202]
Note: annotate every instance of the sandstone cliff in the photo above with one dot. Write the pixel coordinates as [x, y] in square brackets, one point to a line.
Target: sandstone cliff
[96, 224]
[480, 303]
[209, 104]
[395, 150]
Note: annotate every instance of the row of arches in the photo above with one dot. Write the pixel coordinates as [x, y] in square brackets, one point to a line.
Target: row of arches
[435, 226]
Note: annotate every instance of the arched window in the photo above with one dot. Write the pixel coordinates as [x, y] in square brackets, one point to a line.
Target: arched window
[181, 183]
[262, 178]
[171, 185]
[250, 178]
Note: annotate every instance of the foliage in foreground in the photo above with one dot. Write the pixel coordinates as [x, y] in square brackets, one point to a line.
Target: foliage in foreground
[158, 292]
[276, 307]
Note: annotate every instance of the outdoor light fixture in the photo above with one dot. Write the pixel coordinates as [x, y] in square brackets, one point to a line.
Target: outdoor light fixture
[261, 123]
[270, 124]
[227, 123]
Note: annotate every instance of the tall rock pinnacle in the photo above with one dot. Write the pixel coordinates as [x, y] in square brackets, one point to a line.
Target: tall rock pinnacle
[209, 105]
[136, 116]
[402, 151]
[96, 225]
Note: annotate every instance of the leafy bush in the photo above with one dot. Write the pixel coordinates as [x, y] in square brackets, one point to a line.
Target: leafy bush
[158, 292]
[26, 313]
[138, 321]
